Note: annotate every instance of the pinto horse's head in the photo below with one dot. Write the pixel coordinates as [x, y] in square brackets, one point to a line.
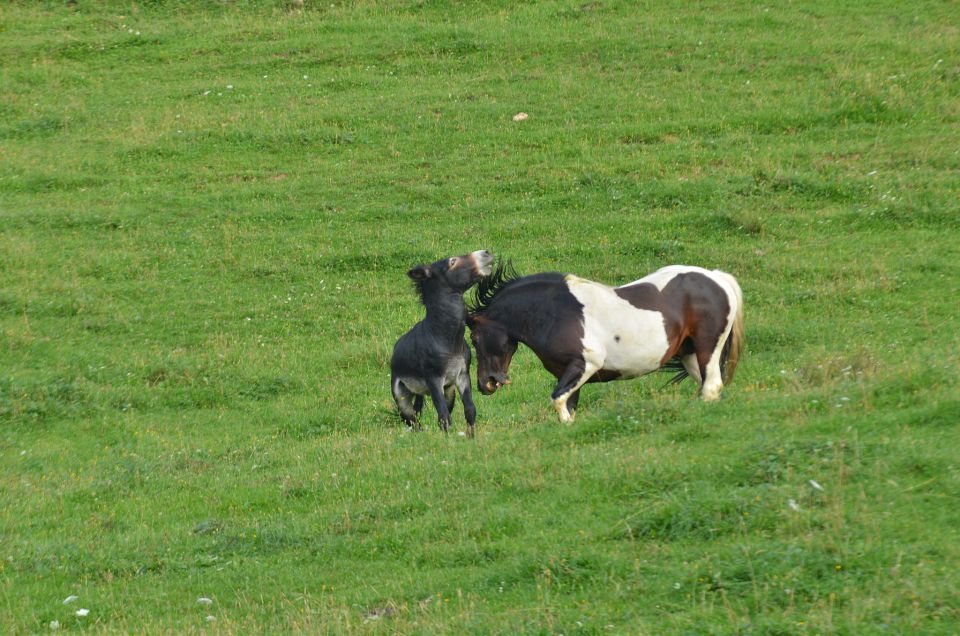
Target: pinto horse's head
[459, 273]
[495, 349]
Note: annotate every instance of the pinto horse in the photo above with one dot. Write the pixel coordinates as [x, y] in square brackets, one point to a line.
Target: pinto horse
[683, 318]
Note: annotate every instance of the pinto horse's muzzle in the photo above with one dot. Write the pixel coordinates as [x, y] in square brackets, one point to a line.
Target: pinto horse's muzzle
[492, 383]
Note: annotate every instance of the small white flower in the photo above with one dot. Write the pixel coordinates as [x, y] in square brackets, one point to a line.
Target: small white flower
[70, 599]
[210, 618]
[461, 434]
[203, 600]
[521, 116]
[206, 92]
[816, 486]
[794, 505]
[54, 625]
[83, 611]
[306, 77]
[229, 86]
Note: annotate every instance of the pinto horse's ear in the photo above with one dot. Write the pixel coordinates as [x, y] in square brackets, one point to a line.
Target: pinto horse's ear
[420, 272]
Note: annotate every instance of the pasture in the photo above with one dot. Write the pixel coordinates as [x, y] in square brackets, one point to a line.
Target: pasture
[206, 215]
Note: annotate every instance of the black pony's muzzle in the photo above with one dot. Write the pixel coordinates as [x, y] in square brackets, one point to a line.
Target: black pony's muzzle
[482, 262]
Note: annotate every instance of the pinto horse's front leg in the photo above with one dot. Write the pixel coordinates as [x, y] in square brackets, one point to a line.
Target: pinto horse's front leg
[568, 387]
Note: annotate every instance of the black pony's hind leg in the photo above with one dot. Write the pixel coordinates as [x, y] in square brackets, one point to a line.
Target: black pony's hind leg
[408, 404]
[450, 395]
[439, 402]
[466, 395]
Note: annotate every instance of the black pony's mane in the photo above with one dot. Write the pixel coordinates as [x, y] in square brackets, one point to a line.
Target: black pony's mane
[489, 286]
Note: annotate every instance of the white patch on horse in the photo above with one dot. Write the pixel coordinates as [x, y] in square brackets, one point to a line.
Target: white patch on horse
[618, 336]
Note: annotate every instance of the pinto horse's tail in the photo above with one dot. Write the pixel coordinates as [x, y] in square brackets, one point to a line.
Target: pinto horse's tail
[733, 347]
[676, 366]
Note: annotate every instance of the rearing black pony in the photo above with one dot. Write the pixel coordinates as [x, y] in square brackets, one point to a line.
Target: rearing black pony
[433, 358]
[680, 317]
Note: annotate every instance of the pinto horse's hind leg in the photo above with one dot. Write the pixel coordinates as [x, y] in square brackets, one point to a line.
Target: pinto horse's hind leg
[708, 367]
[692, 368]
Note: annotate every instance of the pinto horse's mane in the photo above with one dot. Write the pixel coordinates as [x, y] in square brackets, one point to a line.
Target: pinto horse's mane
[487, 289]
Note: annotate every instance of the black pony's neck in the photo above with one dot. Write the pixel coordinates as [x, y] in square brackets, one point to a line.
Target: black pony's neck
[446, 312]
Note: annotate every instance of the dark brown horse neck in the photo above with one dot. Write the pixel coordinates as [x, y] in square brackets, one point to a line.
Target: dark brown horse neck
[539, 311]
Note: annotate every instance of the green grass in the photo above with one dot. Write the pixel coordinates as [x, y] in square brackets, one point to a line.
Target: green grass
[207, 210]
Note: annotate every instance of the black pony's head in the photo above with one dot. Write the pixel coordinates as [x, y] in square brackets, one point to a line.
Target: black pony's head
[457, 273]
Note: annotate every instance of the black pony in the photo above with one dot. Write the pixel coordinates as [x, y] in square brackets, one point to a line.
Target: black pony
[433, 358]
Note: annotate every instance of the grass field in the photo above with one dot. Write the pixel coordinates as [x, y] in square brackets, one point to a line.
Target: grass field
[206, 214]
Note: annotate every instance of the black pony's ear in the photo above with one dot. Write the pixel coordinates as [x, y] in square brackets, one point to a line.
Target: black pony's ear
[420, 272]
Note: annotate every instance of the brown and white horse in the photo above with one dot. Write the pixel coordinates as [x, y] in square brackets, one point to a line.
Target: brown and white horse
[680, 317]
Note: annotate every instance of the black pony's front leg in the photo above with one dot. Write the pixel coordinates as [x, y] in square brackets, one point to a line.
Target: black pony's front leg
[439, 402]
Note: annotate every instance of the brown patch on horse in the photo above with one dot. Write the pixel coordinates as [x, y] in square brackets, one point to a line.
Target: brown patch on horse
[681, 301]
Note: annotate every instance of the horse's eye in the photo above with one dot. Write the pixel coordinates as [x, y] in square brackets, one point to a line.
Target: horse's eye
[452, 262]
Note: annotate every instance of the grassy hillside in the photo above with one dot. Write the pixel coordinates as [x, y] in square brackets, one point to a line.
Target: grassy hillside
[206, 213]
